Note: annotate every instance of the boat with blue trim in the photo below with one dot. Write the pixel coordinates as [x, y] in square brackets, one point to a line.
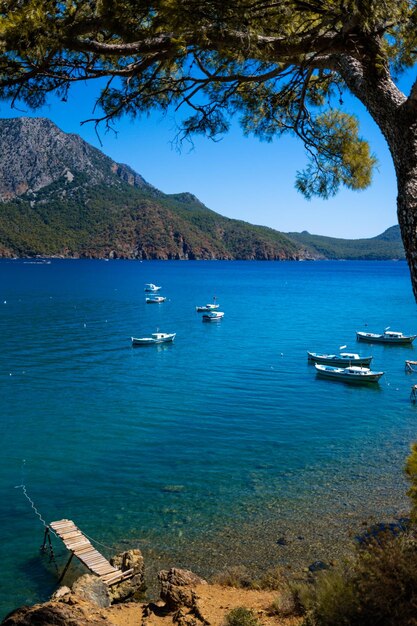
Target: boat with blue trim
[353, 374]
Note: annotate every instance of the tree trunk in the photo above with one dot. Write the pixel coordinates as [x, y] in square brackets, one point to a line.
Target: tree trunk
[396, 117]
[404, 154]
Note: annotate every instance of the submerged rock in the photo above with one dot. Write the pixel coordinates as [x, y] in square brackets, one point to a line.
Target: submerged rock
[317, 566]
[173, 488]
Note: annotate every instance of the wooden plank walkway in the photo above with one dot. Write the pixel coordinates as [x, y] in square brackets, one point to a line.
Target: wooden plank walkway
[80, 546]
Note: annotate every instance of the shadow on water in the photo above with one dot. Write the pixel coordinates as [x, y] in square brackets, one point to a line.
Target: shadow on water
[372, 386]
[42, 573]
[159, 347]
[390, 346]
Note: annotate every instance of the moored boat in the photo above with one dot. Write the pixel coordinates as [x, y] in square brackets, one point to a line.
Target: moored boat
[153, 339]
[388, 336]
[207, 307]
[155, 299]
[352, 374]
[343, 359]
[213, 316]
[150, 287]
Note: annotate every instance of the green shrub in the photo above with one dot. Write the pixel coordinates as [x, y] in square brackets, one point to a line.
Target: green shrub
[272, 579]
[241, 617]
[411, 472]
[331, 601]
[288, 603]
[379, 588]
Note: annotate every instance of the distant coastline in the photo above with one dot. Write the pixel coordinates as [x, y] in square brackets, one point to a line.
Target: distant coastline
[62, 198]
[43, 259]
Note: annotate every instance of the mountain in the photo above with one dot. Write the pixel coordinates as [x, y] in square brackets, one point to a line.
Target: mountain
[391, 234]
[35, 153]
[59, 196]
[388, 245]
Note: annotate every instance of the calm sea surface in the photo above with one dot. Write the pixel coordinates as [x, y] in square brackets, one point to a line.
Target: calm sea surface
[205, 452]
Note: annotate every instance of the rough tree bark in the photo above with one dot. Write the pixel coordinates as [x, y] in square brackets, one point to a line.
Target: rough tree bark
[405, 162]
[396, 117]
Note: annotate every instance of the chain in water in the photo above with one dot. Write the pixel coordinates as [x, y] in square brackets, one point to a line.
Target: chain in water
[32, 504]
[22, 486]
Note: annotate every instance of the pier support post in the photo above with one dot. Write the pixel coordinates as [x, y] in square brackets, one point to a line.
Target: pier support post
[65, 568]
[45, 536]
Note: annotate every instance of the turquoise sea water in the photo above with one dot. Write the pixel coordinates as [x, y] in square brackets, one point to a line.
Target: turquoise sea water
[195, 451]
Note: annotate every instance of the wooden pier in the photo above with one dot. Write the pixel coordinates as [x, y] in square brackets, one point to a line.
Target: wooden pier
[80, 546]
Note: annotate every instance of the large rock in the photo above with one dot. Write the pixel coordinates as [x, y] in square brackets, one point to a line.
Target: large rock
[60, 593]
[56, 614]
[177, 588]
[132, 588]
[92, 589]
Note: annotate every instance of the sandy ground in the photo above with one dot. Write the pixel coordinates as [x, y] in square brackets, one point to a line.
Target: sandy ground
[214, 603]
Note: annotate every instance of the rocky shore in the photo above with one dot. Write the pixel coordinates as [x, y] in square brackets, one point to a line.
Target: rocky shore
[185, 599]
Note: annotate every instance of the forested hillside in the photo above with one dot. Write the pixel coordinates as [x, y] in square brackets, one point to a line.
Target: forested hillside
[388, 245]
[59, 196]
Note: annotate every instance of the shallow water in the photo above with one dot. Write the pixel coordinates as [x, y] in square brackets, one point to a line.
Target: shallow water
[204, 451]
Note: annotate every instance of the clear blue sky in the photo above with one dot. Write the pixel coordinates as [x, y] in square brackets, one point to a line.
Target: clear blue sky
[238, 177]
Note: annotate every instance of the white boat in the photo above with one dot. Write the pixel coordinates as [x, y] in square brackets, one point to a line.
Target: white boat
[352, 374]
[150, 287]
[343, 359]
[207, 307]
[155, 299]
[388, 336]
[154, 338]
[213, 316]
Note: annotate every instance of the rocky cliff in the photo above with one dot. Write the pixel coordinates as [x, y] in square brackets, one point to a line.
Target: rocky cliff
[59, 196]
[34, 153]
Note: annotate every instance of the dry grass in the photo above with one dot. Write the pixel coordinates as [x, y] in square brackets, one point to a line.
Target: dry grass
[241, 578]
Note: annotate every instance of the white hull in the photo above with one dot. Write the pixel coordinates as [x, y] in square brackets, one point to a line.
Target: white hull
[339, 360]
[151, 288]
[149, 341]
[213, 316]
[156, 300]
[351, 375]
[385, 338]
[206, 308]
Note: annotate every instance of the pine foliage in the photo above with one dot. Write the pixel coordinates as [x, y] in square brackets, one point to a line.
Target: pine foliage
[280, 67]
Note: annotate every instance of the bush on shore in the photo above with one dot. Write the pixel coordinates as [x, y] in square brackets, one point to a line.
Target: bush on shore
[288, 603]
[379, 587]
[376, 587]
[411, 473]
[240, 616]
